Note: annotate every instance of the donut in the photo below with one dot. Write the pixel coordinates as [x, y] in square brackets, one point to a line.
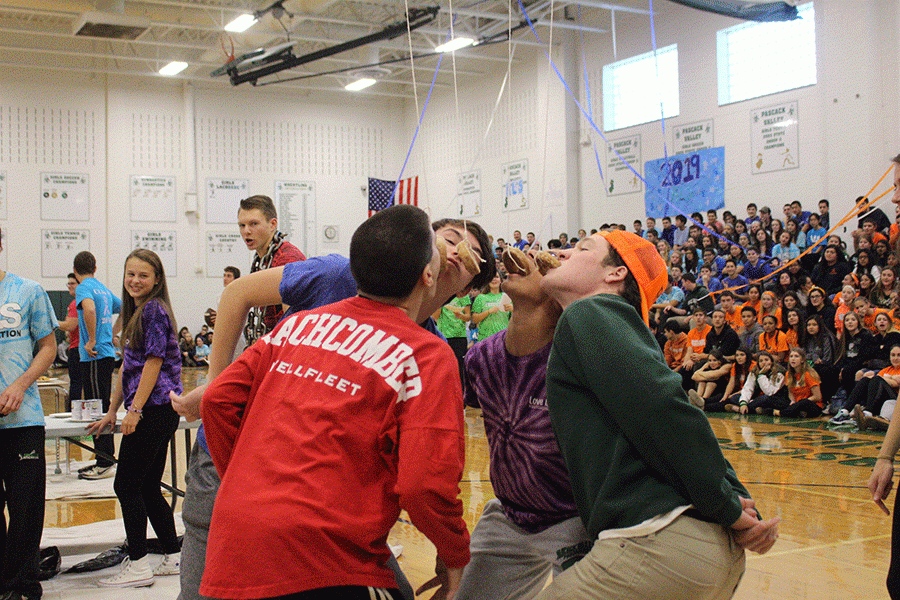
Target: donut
[467, 257]
[442, 251]
[210, 317]
[546, 261]
[515, 261]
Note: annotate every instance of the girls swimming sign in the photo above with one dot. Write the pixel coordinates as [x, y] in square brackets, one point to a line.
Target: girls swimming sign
[685, 183]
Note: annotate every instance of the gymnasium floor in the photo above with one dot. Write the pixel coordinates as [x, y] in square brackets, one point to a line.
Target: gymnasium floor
[834, 543]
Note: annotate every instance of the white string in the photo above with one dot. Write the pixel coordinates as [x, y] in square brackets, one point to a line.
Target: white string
[453, 57]
[412, 66]
[542, 199]
[510, 50]
[487, 130]
[412, 60]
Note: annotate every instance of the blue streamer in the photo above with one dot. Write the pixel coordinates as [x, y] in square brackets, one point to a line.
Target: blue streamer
[600, 133]
[421, 117]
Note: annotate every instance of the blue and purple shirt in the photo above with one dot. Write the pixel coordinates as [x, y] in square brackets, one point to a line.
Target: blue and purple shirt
[527, 470]
[159, 342]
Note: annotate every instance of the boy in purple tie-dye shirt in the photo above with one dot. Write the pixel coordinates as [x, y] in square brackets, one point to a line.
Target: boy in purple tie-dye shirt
[532, 528]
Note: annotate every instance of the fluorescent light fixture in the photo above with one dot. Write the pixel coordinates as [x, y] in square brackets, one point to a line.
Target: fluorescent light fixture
[455, 44]
[359, 84]
[241, 23]
[173, 68]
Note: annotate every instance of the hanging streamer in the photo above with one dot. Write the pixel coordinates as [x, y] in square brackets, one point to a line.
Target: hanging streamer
[587, 91]
[421, 117]
[600, 133]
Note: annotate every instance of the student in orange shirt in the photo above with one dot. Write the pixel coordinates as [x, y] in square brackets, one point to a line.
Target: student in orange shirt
[866, 312]
[844, 303]
[754, 291]
[732, 312]
[676, 348]
[804, 388]
[697, 338]
[773, 340]
[794, 328]
[769, 306]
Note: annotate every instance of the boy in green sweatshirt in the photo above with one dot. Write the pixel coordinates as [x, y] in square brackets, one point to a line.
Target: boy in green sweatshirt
[669, 517]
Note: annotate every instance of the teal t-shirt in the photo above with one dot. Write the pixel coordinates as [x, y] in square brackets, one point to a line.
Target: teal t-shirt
[494, 322]
[106, 304]
[448, 323]
[26, 316]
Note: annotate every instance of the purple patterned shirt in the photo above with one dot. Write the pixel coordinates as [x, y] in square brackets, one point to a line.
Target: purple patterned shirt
[527, 469]
[159, 341]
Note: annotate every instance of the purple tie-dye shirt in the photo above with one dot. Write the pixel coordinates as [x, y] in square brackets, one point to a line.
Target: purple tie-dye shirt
[527, 469]
[159, 341]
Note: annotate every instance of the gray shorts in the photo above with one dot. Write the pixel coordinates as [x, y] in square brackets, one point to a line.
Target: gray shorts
[509, 563]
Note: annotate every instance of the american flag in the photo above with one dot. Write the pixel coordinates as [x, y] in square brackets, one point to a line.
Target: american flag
[381, 193]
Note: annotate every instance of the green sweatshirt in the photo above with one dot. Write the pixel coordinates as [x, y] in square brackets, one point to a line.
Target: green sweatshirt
[634, 446]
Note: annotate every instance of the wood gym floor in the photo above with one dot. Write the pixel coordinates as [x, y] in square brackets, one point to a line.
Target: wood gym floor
[834, 543]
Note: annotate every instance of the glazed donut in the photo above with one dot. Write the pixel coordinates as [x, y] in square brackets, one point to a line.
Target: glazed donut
[546, 261]
[442, 251]
[467, 257]
[515, 261]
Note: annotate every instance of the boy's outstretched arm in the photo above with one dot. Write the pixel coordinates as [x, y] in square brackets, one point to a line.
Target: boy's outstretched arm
[255, 289]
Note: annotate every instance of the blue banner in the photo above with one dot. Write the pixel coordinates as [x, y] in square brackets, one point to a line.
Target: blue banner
[685, 183]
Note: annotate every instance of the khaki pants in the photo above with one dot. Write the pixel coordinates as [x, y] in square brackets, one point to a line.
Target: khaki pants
[689, 559]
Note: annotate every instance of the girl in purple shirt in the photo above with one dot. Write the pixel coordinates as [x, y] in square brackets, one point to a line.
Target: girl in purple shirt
[150, 370]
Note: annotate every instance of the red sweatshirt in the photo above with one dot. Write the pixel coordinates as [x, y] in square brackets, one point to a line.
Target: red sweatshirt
[322, 431]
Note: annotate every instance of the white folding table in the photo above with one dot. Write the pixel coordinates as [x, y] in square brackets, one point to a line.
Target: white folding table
[73, 431]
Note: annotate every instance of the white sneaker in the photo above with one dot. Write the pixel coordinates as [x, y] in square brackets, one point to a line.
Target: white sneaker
[170, 565]
[133, 574]
[696, 399]
[98, 472]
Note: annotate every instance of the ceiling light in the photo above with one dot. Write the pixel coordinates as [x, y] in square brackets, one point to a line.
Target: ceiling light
[359, 84]
[455, 44]
[173, 68]
[241, 23]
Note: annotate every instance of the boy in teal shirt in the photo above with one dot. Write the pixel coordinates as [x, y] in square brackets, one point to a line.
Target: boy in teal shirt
[26, 320]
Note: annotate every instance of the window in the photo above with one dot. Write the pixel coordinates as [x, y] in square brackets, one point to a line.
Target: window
[756, 59]
[634, 89]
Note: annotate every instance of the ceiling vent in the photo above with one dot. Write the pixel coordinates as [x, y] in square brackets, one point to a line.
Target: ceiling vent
[110, 25]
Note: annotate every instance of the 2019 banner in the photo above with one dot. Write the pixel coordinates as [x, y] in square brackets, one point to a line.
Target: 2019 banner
[687, 183]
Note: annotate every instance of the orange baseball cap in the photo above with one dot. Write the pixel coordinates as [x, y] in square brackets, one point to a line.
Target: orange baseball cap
[644, 263]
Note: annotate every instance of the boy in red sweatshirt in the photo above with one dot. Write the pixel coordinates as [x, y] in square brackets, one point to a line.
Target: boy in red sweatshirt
[330, 424]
